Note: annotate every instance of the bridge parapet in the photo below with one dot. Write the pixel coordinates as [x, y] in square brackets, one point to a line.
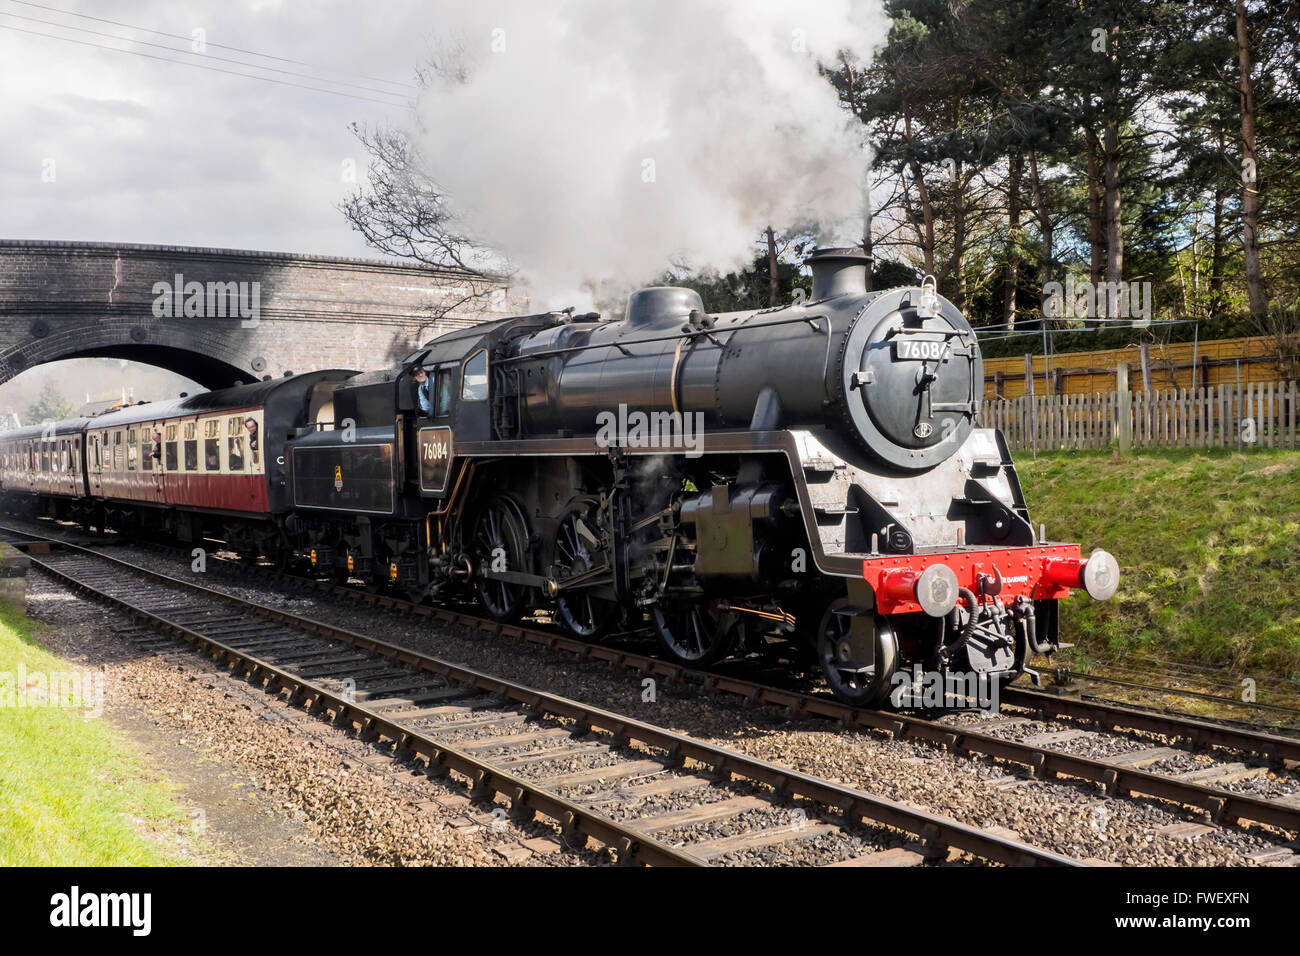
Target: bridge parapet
[221, 315]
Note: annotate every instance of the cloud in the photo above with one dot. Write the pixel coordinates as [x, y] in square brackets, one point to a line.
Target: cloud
[593, 142]
[146, 151]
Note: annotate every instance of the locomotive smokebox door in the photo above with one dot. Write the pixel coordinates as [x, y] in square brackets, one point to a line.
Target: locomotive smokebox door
[913, 378]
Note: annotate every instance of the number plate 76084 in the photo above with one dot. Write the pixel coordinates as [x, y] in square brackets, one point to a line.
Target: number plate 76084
[919, 350]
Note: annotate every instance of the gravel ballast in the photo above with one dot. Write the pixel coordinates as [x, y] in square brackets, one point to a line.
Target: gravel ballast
[1067, 817]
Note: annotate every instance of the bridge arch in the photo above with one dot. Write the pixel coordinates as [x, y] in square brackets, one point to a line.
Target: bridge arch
[239, 315]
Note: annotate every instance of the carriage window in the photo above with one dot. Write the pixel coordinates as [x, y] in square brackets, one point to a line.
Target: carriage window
[212, 444]
[235, 452]
[191, 456]
[474, 378]
[67, 456]
[252, 442]
[132, 450]
[147, 447]
[172, 464]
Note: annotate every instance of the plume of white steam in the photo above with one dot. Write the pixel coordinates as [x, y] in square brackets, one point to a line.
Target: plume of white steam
[592, 143]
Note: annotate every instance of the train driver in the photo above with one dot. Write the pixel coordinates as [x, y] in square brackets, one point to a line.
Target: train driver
[421, 378]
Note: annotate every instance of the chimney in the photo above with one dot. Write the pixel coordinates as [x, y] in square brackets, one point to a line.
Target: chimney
[838, 272]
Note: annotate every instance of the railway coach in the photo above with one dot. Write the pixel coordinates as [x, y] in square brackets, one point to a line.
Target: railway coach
[205, 465]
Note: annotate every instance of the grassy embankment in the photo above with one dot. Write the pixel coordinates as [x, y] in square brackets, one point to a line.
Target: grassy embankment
[1208, 543]
[70, 793]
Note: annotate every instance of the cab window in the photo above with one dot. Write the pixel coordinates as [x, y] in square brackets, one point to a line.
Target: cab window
[474, 378]
[443, 393]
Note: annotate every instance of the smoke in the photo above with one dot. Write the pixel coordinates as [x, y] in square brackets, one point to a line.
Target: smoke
[594, 143]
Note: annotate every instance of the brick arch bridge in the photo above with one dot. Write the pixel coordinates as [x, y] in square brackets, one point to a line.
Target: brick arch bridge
[61, 300]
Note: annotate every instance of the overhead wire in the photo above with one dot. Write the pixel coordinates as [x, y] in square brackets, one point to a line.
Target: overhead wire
[204, 66]
[223, 46]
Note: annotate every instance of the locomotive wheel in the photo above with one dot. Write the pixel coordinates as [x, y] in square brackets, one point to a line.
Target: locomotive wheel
[501, 540]
[848, 680]
[418, 593]
[280, 557]
[696, 633]
[584, 615]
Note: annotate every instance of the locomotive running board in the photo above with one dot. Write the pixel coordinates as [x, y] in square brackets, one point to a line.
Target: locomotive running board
[806, 454]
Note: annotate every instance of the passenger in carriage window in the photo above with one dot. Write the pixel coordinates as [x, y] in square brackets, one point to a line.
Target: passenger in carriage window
[250, 425]
[235, 452]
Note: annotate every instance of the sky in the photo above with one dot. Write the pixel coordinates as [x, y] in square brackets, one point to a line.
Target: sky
[116, 147]
[568, 103]
[589, 143]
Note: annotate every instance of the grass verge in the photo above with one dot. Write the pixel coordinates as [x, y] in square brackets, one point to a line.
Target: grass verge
[71, 794]
[1208, 543]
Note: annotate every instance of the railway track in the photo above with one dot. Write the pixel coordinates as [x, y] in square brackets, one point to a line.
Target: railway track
[585, 768]
[1121, 774]
[1136, 687]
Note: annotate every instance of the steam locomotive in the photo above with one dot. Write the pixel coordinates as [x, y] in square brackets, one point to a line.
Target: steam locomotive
[803, 480]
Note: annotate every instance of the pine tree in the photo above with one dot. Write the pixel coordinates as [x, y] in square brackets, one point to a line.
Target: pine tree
[50, 406]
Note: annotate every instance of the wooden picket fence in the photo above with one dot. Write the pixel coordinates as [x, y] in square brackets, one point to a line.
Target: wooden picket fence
[1256, 414]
